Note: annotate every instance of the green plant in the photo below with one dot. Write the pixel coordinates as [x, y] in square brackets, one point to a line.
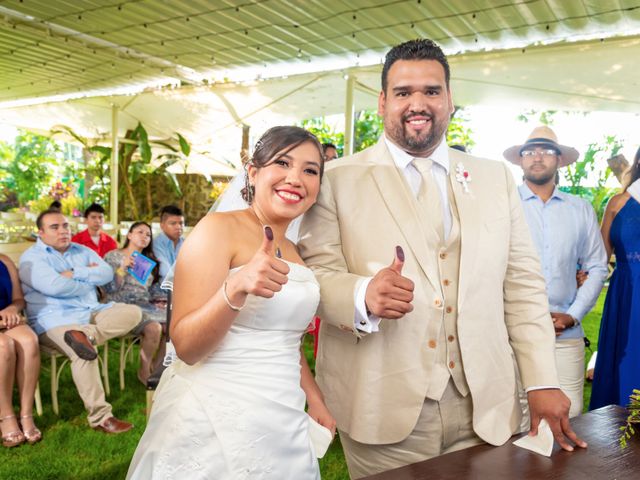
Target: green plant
[28, 166]
[544, 117]
[136, 165]
[458, 132]
[576, 173]
[325, 133]
[633, 418]
[368, 129]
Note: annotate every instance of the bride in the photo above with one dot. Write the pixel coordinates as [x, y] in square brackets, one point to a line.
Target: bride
[232, 407]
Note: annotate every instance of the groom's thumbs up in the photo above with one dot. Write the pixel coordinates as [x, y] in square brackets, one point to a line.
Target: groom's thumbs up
[389, 294]
[398, 260]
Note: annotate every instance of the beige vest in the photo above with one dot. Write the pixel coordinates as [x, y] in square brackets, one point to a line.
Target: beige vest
[443, 334]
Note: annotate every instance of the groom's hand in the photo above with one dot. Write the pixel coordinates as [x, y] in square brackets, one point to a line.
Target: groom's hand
[553, 405]
[389, 294]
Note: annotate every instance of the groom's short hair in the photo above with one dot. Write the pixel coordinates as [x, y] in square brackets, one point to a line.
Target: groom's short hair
[419, 49]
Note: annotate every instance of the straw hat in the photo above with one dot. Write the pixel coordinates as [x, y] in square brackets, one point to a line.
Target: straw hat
[542, 136]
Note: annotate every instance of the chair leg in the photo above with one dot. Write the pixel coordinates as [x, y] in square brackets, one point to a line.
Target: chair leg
[123, 360]
[38, 400]
[105, 369]
[54, 384]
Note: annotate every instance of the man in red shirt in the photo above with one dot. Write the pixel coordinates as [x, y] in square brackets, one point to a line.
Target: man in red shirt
[93, 237]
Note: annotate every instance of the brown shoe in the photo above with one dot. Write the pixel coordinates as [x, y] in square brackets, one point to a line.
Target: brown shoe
[80, 344]
[113, 425]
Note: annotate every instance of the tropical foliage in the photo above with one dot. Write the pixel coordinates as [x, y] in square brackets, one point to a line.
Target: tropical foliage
[27, 168]
[590, 165]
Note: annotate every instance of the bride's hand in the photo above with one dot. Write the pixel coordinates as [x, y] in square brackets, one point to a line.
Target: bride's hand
[321, 414]
[264, 275]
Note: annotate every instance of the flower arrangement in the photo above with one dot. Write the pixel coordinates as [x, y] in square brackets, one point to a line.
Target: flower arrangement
[634, 417]
[60, 190]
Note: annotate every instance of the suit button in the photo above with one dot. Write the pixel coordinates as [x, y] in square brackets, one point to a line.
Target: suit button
[443, 255]
[362, 322]
[451, 338]
[452, 364]
[432, 344]
[446, 282]
[437, 302]
[449, 309]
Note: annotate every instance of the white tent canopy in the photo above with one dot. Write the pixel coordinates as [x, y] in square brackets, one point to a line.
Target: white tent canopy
[590, 75]
[206, 69]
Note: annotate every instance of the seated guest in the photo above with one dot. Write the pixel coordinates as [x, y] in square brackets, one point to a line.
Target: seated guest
[93, 237]
[168, 243]
[126, 288]
[59, 280]
[19, 358]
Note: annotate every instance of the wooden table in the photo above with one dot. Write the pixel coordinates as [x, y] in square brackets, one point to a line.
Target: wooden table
[603, 459]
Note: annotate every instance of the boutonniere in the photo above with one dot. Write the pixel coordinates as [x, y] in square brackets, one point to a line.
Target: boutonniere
[463, 177]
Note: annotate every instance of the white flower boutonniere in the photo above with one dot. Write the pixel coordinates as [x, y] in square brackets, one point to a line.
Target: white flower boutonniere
[463, 177]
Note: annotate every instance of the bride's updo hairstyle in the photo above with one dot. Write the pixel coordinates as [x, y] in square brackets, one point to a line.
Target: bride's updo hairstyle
[274, 144]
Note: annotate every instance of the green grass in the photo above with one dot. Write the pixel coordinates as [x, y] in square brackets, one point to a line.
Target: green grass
[71, 450]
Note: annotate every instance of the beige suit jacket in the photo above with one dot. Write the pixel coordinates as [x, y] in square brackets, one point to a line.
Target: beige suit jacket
[375, 384]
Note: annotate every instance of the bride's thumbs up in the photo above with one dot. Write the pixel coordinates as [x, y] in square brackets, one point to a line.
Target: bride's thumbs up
[264, 275]
[389, 294]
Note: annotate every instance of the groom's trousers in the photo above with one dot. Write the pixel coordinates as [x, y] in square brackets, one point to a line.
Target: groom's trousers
[443, 426]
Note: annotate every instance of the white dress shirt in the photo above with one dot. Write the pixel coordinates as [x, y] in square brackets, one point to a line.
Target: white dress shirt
[403, 161]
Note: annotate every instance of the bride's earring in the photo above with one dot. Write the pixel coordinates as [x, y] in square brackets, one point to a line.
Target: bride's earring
[248, 187]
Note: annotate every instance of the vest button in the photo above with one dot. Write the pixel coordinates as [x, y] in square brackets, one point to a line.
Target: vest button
[443, 255]
[451, 338]
[449, 309]
[452, 364]
[446, 282]
[432, 344]
[437, 302]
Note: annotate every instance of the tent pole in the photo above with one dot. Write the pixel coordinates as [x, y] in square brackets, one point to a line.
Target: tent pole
[113, 214]
[349, 114]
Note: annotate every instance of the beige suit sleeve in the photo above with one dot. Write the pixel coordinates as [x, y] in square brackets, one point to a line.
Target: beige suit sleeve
[526, 306]
[320, 246]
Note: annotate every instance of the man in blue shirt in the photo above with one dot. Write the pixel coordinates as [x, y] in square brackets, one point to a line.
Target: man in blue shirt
[565, 231]
[59, 279]
[167, 245]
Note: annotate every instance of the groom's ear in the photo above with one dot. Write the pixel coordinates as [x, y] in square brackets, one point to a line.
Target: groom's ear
[381, 101]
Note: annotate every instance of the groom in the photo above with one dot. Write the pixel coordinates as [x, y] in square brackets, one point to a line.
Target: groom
[431, 289]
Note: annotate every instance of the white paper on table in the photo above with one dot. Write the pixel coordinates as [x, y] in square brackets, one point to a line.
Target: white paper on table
[320, 437]
[541, 443]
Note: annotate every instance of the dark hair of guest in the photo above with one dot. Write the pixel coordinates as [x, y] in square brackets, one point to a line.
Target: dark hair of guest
[146, 251]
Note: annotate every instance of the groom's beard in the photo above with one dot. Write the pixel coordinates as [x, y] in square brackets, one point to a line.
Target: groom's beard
[417, 143]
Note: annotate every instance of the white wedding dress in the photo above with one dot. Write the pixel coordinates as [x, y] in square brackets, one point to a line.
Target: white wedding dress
[239, 413]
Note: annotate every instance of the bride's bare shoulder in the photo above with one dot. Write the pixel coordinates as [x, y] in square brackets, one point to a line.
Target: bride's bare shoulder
[221, 220]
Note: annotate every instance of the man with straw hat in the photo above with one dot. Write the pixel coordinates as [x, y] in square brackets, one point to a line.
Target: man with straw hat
[566, 234]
